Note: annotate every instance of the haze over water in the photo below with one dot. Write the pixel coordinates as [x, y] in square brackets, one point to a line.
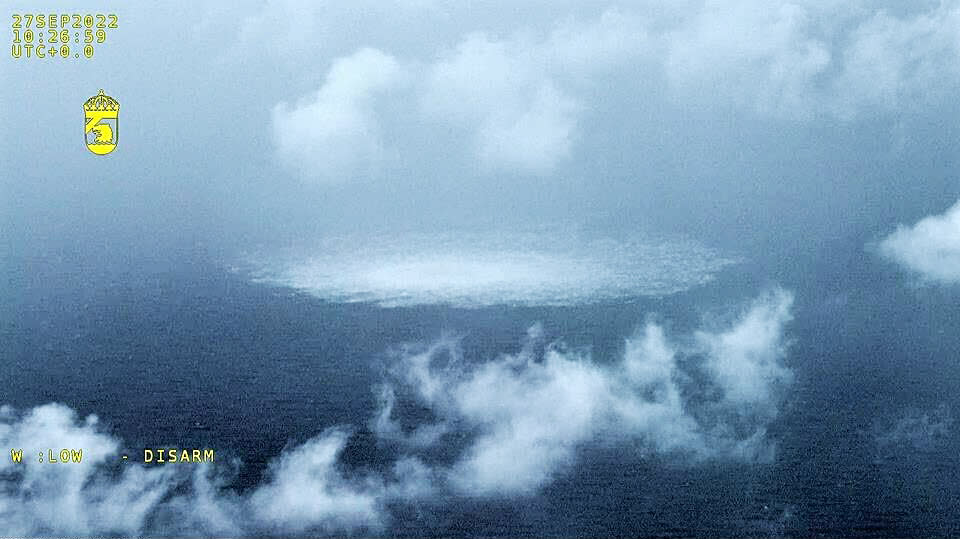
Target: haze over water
[511, 269]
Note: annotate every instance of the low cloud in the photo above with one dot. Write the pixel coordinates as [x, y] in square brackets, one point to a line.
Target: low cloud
[515, 97]
[508, 426]
[745, 361]
[509, 97]
[532, 410]
[71, 498]
[930, 248]
[306, 490]
[517, 100]
[334, 135]
[516, 116]
[896, 63]
[800, 60]
[760, 55]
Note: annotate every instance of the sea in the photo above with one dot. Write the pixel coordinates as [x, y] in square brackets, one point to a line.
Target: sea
[194, 353]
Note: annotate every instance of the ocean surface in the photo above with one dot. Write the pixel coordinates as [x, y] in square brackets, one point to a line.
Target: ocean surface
[195, 355]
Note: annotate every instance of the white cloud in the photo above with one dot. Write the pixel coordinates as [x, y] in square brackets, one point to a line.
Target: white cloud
[930, 248]
[510, 93]
[517, 99]
[533, 413]
[532, 410]
[75, 497]
[896, 63]
[533, 139]
[520, 119]
[759, 54]
[411, 480]
[649, 403]
[66, 497]
[792, 60]
[288, 29]
[800, 59]
[745, 361]
[334, 135]
[507, 94]
[103, 495]
[587, 48]
[306, 492]
[521, 419]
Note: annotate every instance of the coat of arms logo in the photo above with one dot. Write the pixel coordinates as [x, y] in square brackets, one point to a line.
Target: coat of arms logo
[101, 131]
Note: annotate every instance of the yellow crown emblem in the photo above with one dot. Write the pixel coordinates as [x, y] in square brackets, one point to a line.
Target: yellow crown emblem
[100, 114]
[101, 102]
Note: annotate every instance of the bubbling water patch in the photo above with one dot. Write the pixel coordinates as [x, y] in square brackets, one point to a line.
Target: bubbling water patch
[476, 270]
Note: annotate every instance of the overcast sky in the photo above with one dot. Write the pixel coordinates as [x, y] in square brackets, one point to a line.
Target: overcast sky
[739, 124]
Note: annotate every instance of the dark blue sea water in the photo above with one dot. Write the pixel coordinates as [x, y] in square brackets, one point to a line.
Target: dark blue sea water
[155, 352]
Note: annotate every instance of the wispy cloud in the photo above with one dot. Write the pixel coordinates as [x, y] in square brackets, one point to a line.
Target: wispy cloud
[333, 135]
[507, 94]
[930, 248]
[518, 100]
[532, 410]
[305, 491]
[745, 360]
[510, 94]
[513, 423]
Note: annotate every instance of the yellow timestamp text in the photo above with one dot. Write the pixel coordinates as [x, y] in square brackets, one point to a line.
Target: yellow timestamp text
[59, 35]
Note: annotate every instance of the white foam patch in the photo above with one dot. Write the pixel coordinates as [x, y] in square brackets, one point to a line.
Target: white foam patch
[472, 270]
